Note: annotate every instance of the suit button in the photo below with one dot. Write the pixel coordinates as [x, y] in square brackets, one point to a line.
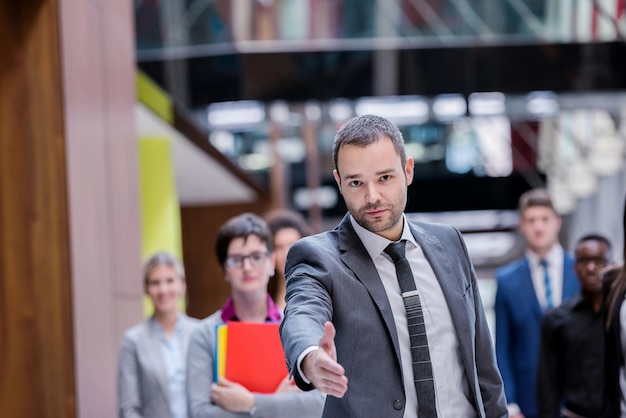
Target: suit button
[397, 404]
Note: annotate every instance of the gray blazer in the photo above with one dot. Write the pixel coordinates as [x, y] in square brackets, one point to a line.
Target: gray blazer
[200, 376]
[330, 277]
[142, 378]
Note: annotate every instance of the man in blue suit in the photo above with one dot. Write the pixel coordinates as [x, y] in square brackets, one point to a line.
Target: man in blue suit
[542, 279]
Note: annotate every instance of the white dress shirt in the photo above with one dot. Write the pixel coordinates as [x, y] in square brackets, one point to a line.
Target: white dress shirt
[453, 395]
[175, 361]
[555, 269]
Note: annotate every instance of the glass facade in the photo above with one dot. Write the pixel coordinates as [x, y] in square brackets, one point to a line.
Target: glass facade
[221, 26]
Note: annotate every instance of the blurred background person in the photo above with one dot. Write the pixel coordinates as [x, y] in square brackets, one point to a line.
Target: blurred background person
[614, 405]
[286, 226]
[153, 355]
[244, 250]
[570, 375]
[525, 289]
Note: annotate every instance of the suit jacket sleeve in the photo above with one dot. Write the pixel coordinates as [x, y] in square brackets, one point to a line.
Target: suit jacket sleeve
[200, 377]
[129, 402]
[549, 371]
[309, 303]
[503, 341]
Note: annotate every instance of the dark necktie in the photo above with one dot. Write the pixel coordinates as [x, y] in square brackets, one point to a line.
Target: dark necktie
[546, 278]
[422, 368]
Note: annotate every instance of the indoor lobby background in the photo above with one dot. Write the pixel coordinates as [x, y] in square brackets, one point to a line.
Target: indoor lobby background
[127, 127]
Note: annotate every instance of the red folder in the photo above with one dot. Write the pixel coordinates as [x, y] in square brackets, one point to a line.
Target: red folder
[254, 356]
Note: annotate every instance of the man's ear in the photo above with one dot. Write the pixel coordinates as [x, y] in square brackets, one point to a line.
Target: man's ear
[409, 170]
[337, 179]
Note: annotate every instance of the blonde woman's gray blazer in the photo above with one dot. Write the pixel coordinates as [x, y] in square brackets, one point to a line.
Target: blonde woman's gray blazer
[142, 377]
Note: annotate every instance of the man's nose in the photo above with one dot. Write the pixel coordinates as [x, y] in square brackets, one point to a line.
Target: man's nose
[373, 195]
[592, 265]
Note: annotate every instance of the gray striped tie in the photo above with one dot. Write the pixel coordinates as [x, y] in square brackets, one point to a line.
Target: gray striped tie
[422, 368]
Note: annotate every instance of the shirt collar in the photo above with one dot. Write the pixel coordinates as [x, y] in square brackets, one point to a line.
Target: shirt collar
[554, 256]
[228, 311]
[178, 327]
[375, 244]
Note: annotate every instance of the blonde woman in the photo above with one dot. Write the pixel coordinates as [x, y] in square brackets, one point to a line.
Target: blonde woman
[153, 355]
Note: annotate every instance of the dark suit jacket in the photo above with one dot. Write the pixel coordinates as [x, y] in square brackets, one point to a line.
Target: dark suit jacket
[330, 277]
[142, 385]
[518, 329]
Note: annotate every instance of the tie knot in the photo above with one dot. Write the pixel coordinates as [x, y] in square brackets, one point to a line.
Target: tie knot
[544, 263]
[396, 250]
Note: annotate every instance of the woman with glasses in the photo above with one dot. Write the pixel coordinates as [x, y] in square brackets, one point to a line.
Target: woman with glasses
[153, 355]
[244, 251]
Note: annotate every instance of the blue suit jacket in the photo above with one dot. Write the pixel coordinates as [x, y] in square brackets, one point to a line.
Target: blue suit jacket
[518, 329]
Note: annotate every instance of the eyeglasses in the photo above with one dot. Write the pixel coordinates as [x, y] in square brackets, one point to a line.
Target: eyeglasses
[598, 261]
[237, 261]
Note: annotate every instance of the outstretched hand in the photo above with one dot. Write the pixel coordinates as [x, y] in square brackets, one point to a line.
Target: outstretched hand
[321, 368]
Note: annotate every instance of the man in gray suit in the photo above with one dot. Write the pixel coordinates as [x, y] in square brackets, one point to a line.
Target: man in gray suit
[345, 330]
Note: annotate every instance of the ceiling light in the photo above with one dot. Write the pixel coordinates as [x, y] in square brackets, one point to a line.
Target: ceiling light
[485, 104]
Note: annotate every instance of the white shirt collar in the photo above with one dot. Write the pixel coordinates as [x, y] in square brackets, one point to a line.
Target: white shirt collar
[375, 244]
[554, 256]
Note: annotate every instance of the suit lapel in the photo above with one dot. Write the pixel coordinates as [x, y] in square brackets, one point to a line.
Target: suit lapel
[185, 329]
[454, 289]
[570, 282]
[356, 257]
[527, 289]
[452, 286]
[153, 346]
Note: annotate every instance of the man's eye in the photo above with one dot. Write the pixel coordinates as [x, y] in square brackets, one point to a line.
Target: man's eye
[354, 183]
[385, 178]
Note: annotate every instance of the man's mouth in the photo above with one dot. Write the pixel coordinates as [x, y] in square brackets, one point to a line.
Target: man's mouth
[376, 212]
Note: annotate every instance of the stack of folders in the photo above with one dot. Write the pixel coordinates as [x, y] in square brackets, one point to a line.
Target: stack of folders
[250, 354]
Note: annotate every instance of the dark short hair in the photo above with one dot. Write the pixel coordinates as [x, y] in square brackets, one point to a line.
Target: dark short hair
[365, 130]
[595, 237]
[161, 258]
[241, 226]
[535, 197]
[283, 218]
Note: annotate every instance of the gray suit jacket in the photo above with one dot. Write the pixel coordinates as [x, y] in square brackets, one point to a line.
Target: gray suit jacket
[330, 277]
[200, 376]
[142, 378]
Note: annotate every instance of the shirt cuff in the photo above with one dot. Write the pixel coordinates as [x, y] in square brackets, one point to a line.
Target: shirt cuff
[299, 362]
[513, 409]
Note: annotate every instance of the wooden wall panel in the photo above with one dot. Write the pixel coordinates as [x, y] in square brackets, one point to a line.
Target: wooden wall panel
[69, 205]
[206, 288]
[103, 183]
[36, 354]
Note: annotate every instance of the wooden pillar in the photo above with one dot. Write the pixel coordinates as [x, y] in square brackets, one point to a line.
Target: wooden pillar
[313, 182]
[279, 182]
[69, 210]
[36, 351]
